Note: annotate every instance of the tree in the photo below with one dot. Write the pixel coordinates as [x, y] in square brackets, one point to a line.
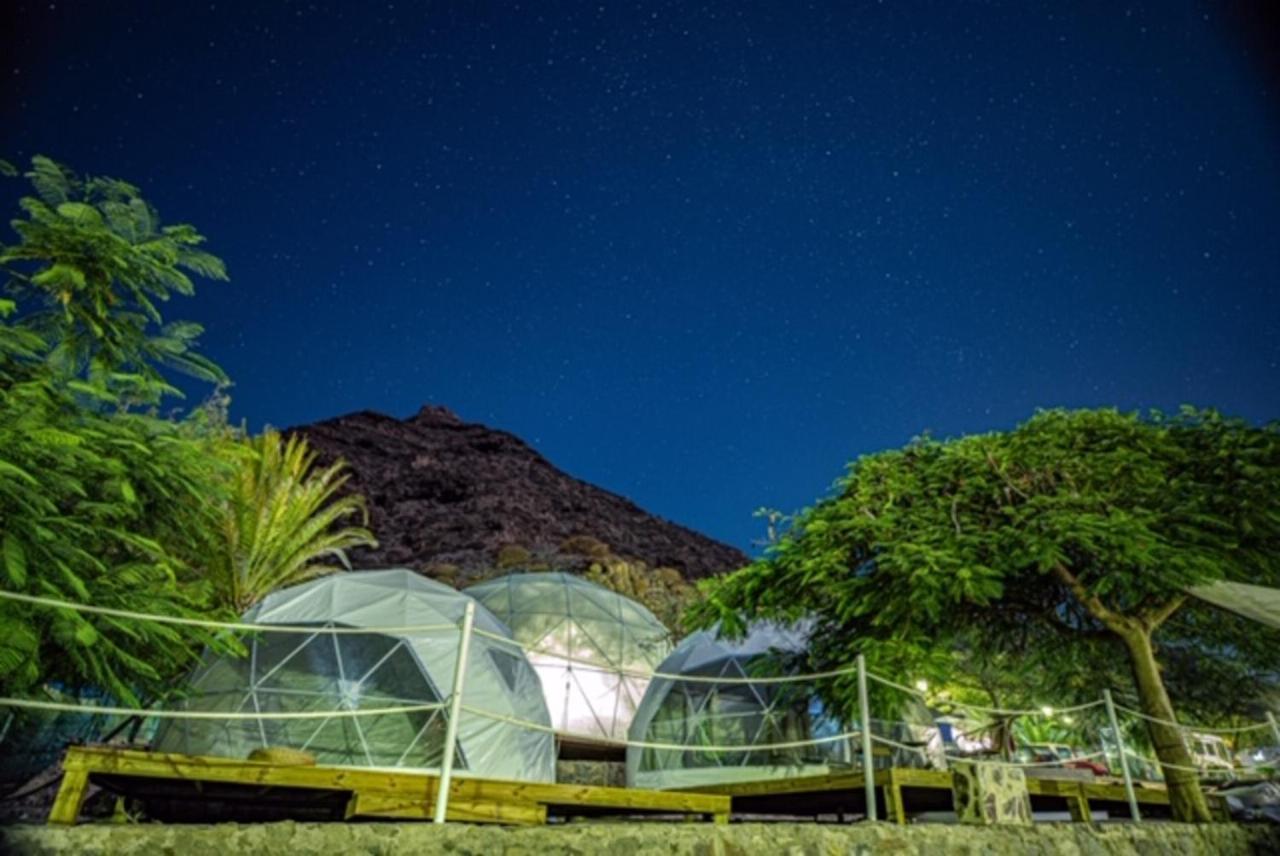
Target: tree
[1074, 537]
[103, 506]
[103, 502]
[99, 503]
[95, 260]
[281, 520]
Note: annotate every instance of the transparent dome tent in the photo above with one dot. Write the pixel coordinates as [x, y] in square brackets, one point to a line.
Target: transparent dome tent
[592, 648]
[295, 671]
[701, 713]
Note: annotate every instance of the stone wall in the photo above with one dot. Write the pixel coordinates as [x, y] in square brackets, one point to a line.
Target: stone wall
[641, 839]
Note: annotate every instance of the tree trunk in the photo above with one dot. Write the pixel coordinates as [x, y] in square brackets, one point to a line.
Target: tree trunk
[1185, 797]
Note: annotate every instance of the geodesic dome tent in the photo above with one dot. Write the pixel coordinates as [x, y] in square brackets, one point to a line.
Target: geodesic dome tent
[739, 712]
[292, 671]
[592, 648]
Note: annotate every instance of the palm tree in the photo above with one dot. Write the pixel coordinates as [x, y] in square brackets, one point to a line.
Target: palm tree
[283, 521]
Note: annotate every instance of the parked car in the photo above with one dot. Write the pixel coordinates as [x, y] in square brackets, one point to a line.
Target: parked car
[1211, 754]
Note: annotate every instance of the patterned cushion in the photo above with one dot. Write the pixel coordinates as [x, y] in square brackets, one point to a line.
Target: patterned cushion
[990, 794]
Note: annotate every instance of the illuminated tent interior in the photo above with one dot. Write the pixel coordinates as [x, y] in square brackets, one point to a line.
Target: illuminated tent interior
[700, 713]
[290, 671]
[593, 649]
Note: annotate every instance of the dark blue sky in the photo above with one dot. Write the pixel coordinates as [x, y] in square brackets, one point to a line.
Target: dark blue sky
[699, 254]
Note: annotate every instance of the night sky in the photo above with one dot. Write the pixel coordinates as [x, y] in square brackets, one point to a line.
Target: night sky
[699, 254]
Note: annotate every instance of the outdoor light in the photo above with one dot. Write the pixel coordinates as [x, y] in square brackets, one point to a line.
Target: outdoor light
[1046, 710]
[922, 685]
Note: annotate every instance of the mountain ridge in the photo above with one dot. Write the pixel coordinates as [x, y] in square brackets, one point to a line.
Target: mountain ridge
[444, 493]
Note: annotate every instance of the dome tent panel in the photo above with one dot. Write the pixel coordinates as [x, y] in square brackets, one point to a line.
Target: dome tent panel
[592, 648]
[731, 718]
[325, 671]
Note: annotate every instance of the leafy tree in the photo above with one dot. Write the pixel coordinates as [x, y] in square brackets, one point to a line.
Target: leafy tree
[95, 262]
[1072, 537]
[107, 504]
[99, 503]
[99, 507]
[281, 520]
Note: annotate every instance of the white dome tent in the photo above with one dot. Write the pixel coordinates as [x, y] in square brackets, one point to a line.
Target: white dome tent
[293, 671]
[761, 705]
[592, 648]
[699, 712]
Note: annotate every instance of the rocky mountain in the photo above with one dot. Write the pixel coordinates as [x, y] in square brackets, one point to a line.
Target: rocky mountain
[455, 499]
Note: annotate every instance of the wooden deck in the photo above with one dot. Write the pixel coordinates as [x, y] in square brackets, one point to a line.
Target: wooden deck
[367, 793]
[902, 792]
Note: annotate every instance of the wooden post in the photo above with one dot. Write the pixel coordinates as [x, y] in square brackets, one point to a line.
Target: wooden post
[455, 711]
[1078, 805]
[1275, 727]
[864, 711]
[66, 806]
[894, 806]
[1124, 758]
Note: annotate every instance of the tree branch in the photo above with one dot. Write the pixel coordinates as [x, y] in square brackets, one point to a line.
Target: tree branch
[1069, 632]
[1009, 485]
[1156, 616]
[1113, 620]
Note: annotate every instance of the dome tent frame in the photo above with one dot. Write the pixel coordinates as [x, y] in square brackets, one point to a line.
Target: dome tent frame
[412, 663]
[739, 712]
[722, 710]
[593, 649]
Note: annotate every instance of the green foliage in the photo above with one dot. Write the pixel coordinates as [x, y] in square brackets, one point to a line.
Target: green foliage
[663, 591]
[99, 504]
[585, 545]
[94, 263]
[105, 509]
[1069, 541]
[513, 556]
[104, 504]
[281, 520]
[939, 538]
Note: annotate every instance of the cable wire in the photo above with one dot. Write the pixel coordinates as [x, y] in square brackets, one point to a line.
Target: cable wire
[981, 709]
[1237, 730]
[668, 676]
[678, 747]
[63, 707]
[221, 625]
[960, 759]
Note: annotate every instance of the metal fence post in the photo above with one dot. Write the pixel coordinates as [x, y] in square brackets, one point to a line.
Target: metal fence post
[864, 711]
[1124, 757]
[455, 711]
[1275, 726]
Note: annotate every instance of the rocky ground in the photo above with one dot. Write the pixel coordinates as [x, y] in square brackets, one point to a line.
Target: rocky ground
[643, 839]
[453, 498]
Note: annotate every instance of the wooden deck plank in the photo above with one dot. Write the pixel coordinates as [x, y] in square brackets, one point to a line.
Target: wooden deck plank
[384, 805]
[1116, 793]
[66, 805]
[591, 795]
[1076, 793]
[160, 765]
[765, 787]
[412, 794]
[895, 808]
[409, 788]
